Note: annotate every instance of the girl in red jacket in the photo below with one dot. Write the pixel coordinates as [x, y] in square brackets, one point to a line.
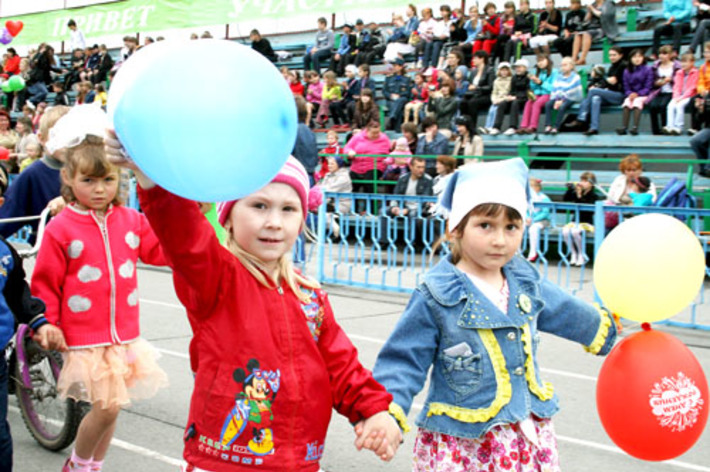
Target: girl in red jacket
[270, 360]
[86, 274]
[491, 29]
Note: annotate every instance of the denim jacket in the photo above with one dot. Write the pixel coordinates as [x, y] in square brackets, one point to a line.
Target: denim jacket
[485, 370]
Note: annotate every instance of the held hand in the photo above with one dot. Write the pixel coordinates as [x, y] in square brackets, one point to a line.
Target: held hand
[379, 433]
[351, 154]
[557, 105]
[56, 205]
[633, 96]
[395, 211]
[611, 80]
[394, 96]
[50, 338]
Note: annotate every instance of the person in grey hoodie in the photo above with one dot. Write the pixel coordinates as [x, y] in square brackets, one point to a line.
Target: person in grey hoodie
[322, 48]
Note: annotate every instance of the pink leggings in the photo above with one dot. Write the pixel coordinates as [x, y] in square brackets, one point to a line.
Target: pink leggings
[531, 113]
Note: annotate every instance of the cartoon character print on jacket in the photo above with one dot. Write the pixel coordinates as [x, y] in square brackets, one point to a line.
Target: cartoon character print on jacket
[252, 413]
[314, 312]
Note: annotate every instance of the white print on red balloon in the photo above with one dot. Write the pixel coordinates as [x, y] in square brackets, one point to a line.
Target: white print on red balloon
[676, 402]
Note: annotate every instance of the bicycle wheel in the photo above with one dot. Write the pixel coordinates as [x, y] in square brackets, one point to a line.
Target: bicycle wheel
[51, 420]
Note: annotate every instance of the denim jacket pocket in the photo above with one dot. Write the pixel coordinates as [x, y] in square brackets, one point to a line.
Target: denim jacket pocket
[462, 373]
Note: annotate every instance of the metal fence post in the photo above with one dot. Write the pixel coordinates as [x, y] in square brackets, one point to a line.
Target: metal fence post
[320, 237]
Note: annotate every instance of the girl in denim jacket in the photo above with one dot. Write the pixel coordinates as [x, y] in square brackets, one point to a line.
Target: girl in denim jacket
[476, 318]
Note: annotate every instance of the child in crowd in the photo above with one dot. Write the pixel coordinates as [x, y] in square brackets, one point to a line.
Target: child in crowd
[398, 162]
[249, 288]
[33, 151]
[461, 84]
[507, 25]
[314, 93]
[638, 83]
[501, 90]
[92, 299]
[539, 219]
[444, 106]
[580, 192]
[420, 95]
[522, 30]
[39, 112]
[540, 87]
[101, 96]
[332, 93]
[86, 93]
[664, 70]
[639, 194]
[60, 98]
[478, 309]
[332, 148]
[337, 180]
[684, 88]
[566, 91]
[342, 110]
[515, 102]
[294, 82]
[366, 110]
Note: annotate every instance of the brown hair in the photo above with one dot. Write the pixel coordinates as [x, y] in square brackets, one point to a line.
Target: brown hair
[489, 210]
[666, 49]
[448, 162]
[630, 162]
[548, 69]
[89, 158]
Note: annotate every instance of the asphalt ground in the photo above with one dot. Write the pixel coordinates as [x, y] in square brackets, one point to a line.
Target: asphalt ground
[149, 433]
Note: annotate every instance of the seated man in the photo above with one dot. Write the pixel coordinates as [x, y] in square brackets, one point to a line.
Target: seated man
[415, 182]
[433, 143]
[397, 92]
[322, 49]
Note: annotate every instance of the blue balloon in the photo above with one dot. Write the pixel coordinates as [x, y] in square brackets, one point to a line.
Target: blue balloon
[224, 137]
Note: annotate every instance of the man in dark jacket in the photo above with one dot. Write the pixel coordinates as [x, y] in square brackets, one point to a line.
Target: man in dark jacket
[262, 45]
[415, 182]
[433, 143]
[397, 92]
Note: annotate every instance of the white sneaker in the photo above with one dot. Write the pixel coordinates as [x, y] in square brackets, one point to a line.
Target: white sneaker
[493, 131]
[482, 130]
[510, 132]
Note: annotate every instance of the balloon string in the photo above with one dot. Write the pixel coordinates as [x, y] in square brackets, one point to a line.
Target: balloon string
[646, 326]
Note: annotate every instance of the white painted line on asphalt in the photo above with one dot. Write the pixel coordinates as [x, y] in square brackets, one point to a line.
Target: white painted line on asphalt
[155, 302]
[125, 445]
[168, 352]
[146, 452]
[607, 448]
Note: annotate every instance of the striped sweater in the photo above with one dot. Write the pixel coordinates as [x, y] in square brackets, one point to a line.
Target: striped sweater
[567, 87]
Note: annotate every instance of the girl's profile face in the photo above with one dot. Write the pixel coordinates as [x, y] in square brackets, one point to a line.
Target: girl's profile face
[267, 222]
[586, 185]
[637, 59]
[461, 130]
[488, 243]
[542, 63]
[365, 98]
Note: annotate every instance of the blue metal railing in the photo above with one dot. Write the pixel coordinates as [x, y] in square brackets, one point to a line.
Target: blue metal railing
[370, 248]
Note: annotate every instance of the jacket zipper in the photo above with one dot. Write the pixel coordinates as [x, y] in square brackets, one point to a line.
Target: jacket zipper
[289, 338]
[111, 273]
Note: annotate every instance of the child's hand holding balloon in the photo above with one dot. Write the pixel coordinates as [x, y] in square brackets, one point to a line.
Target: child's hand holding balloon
[117, 155]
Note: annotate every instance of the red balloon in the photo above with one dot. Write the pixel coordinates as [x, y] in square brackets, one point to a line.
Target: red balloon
[14, 27]
[4, 154]
[652, 396]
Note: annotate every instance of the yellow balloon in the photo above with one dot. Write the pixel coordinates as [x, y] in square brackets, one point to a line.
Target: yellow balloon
[649, 268]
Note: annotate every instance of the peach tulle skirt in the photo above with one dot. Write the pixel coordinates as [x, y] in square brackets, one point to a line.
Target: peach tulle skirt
[113, 375]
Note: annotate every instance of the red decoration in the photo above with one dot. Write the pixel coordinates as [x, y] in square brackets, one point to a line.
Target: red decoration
[4, 154]
[652, 396]
[14, 27]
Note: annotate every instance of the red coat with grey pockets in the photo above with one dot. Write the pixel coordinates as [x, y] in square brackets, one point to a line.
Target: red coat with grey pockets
[269, 368]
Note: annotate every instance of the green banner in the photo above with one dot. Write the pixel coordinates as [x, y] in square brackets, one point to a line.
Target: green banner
[132, 16]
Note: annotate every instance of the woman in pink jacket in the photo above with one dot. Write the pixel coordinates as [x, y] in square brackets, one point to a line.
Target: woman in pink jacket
[368, 141]
[86, 274]
[684, 88]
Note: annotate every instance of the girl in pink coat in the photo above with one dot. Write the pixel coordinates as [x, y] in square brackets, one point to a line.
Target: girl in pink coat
[86, 274]
[685, 85]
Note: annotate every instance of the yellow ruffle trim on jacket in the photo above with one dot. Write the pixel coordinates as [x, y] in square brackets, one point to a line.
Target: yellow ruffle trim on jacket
[545, 392]
[603, 332]
[398, 413]
[504, 390]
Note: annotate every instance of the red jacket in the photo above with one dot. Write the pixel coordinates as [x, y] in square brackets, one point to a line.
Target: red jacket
[269, 369]
[337, 149]
[12, 65]
[86, 274]
[297, 88]
[492, 26]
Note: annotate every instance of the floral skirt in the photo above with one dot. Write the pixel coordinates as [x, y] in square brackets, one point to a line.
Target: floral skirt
[113, 375]
[503, 449]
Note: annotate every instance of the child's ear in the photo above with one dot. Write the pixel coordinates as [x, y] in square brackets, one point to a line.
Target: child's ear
[65, 177]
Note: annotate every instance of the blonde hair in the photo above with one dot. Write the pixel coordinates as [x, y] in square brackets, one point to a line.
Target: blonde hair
[49, 119]
[257, 268]
[89, 158]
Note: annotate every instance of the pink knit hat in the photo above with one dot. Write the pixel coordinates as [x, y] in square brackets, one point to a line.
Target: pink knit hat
[294, 174]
